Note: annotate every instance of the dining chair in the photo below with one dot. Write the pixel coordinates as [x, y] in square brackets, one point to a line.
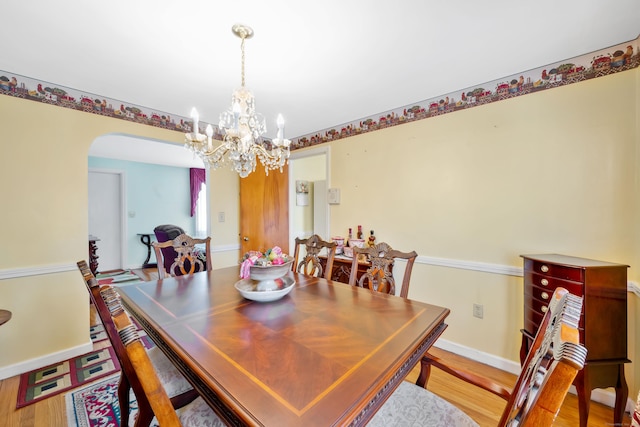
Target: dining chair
[379, 277]
[552, 364]
[176, 386]
[195, 413]
[187, 260]
[166, 232]
[310, 264]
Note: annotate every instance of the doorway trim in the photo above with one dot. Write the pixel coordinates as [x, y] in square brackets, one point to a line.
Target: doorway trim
[300, 154]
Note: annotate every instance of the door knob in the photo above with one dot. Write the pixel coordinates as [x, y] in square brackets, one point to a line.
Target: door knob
[245, 238]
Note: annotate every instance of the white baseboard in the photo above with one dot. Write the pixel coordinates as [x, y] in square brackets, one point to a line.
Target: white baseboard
[40, 362]
[604, 396]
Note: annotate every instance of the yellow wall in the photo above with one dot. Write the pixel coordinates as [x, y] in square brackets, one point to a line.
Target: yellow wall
[555, 171]
[43, 168]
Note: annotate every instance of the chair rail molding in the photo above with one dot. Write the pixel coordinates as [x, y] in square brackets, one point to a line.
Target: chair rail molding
[471, 265]
[632, 287]
[13, 273]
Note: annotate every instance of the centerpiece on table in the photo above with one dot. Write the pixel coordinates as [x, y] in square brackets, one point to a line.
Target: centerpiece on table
[266, 271]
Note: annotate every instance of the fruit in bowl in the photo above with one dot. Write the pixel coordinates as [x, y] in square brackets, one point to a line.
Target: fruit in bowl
[268, 265]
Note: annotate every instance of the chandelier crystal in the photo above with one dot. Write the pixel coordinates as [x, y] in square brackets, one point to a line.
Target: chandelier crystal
[242, 129]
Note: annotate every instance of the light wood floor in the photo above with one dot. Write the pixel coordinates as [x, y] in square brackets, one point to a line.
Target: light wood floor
[483, 407]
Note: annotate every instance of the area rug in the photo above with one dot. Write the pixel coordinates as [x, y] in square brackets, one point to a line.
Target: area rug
[54, 379]
[118, 278]
[96, 404]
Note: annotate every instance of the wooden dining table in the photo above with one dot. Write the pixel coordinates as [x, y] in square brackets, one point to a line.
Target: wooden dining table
[326, 354]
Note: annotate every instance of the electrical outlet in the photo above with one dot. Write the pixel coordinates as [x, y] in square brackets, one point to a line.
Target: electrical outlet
[478, 311]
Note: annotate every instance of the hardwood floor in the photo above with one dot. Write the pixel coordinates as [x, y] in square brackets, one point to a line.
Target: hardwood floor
[483, 407]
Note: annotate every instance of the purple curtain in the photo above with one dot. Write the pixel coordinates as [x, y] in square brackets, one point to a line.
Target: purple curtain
[197, 178]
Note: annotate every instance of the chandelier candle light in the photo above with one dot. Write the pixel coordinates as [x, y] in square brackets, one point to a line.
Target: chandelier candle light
[243, 129]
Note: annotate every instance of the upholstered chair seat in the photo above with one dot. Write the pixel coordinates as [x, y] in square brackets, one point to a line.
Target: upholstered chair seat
[410, 405]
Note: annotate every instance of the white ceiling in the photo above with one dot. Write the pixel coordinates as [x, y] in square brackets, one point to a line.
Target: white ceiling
[320, 64]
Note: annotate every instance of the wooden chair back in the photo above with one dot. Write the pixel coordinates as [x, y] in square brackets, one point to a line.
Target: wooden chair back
[152, 388]
[128, 377]
[310, 263]
[186, 261]
[379, 277]
[555, 358]
[552, 364]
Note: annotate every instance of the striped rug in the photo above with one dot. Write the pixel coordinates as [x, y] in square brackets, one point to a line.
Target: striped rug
[54, 379]
[75, 372]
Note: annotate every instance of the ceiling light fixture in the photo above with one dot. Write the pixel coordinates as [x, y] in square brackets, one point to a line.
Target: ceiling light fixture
[242, 130]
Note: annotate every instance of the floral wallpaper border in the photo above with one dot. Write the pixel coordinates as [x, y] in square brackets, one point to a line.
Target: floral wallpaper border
[622, 57]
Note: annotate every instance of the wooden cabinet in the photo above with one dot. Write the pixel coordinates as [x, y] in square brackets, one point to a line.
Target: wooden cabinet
[342, 268]
[603, 322]
[93, 256]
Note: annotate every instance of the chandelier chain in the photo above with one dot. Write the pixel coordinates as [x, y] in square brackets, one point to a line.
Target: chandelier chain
[242, 67]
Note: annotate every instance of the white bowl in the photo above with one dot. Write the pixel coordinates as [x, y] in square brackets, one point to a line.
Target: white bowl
[250, 289]
[269, 272]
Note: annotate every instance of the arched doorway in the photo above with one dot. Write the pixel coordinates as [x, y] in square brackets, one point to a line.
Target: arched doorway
[147, 169]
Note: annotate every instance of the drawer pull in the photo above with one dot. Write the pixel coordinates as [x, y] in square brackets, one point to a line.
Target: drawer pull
[544, 282]
[544, 309]
[545, 295]
[544, 268]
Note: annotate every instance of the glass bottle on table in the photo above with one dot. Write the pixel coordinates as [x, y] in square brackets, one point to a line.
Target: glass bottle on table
[360, 235]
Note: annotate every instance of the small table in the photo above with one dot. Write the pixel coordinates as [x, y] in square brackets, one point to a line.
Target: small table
[325, 354]
[145, 238]
[5, 315]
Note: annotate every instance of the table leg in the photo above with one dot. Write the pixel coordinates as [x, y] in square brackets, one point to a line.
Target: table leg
[622, 393]
[146, 240]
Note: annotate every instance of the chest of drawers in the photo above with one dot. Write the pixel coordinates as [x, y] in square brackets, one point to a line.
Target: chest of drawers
[603, 323]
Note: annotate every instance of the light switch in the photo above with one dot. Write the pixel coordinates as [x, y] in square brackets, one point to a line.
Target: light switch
[333, 196]
[220, 216]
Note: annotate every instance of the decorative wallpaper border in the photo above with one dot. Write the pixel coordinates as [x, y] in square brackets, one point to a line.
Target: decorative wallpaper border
[622, 57]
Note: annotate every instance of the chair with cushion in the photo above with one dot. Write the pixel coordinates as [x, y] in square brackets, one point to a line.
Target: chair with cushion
[310, 263]
[186, 260]
[175, 384]
[195, 413]
[164, 233]
[552, 364]
[379, 277]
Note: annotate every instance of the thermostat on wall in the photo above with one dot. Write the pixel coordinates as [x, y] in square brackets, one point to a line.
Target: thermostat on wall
[333, 196]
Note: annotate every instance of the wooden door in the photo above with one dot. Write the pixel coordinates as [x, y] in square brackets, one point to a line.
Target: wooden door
[264, 210]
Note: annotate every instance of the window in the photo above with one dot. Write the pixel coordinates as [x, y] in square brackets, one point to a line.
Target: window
[201, 212]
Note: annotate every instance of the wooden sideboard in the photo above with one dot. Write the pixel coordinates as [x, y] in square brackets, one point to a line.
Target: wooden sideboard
[603, 322]
[342, 268]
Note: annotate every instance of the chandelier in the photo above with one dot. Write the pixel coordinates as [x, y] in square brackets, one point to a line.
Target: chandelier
[242, 129]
